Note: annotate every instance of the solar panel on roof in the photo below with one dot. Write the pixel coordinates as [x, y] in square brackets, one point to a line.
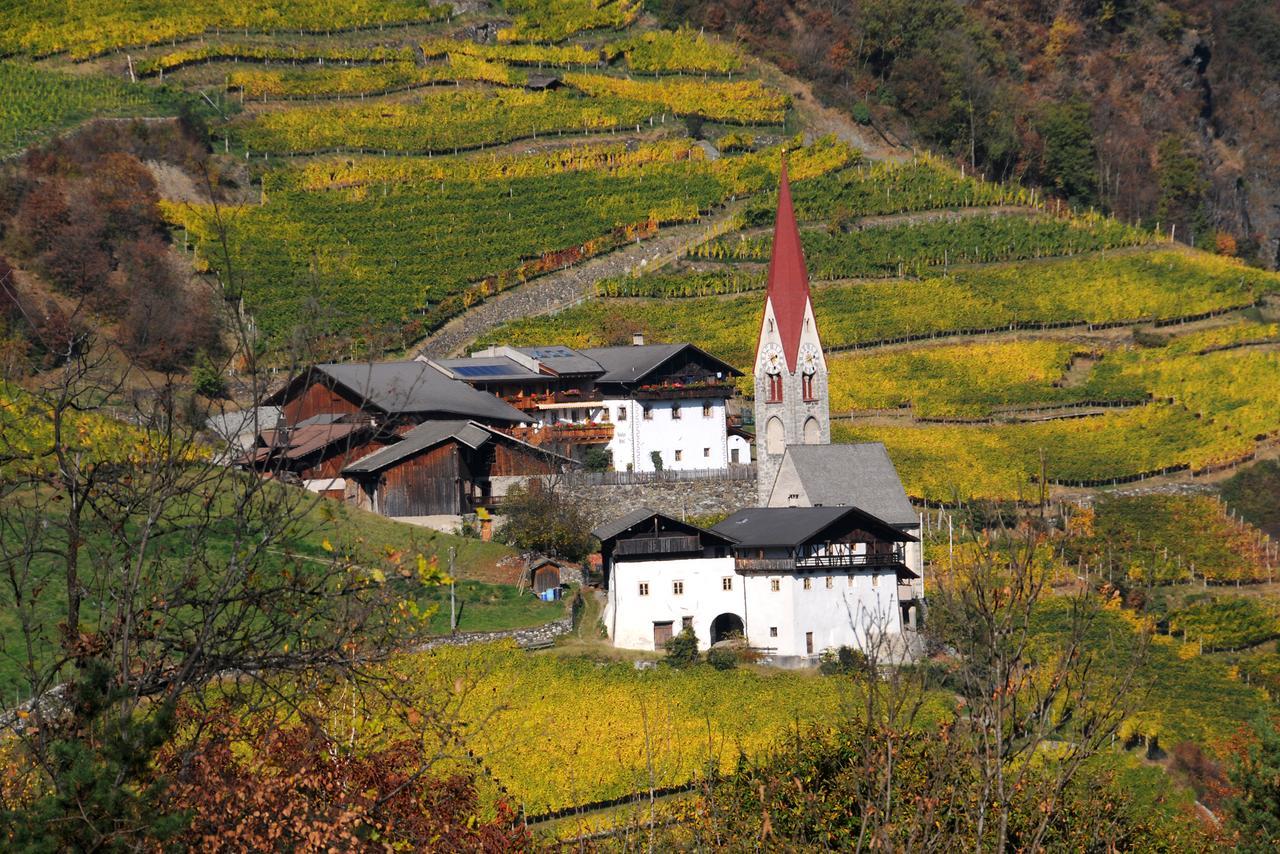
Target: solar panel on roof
[553, 353]
[481, 371]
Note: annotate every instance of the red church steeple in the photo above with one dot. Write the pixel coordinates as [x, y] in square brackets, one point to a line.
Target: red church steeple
[788, 278]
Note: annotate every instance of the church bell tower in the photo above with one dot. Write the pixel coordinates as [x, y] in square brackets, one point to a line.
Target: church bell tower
[791, 405]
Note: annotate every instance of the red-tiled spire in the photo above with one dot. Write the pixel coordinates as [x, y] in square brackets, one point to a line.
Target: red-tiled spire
[788, 277]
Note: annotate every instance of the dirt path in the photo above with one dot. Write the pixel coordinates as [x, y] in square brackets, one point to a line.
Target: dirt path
[563, 288]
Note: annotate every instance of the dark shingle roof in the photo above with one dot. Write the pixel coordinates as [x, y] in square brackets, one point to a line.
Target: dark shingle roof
[425, 435]
[398, 387]
[609, 530]
[791, 526]
[859, 476]
[632, 364]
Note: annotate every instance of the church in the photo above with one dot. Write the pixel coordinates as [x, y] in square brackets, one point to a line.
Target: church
[831, 556]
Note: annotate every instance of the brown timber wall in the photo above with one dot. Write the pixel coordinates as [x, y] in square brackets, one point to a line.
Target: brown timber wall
[428, 484]
[317, 399]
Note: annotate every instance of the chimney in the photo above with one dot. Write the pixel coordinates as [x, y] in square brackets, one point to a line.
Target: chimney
[637, 339]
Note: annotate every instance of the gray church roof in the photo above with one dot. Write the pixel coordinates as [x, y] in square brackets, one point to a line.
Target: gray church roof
[860, 475]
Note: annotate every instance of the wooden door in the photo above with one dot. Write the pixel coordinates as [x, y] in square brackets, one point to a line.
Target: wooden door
[546, 577]
[661, 634]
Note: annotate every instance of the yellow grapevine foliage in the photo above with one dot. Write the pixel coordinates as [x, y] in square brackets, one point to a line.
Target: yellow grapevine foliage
[521, 54]
[331, 172]
[952, 381]
[319, 80]
[519, 706]
[660, 51]
[309, 53]
[949, 462]
[89, 27]
[556, 20]
[739, 102]
[435, 121]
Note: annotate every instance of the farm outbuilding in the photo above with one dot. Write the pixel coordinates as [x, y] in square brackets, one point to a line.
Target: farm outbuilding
[446, 468]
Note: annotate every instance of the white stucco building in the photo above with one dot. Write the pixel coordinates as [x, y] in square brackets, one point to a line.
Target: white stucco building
[634, 402]
[792, 582]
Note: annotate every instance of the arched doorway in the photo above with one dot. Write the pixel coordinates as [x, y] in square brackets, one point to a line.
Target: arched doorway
[726, 626]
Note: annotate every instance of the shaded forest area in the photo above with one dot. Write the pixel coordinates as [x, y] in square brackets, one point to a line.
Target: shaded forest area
[1159, 112]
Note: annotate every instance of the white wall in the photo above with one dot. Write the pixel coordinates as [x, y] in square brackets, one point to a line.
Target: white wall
[742, 446]
[629, 617]
[702, 440]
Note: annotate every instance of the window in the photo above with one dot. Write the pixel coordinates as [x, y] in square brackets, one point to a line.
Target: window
[604, 415]
[648, 413]
[850, 578]
[677, 588]
[773, 631]
[679, 455]
[807, 387]
[706, 453]
[686, 623]
[644, 588]
[775, 584]
[828, 582]
[675, 412]
[706, 409]
[808, 583]
[775, 389]
[622, 413]
[726, 583]
[875, 580]
[808, 642]
[733, 456]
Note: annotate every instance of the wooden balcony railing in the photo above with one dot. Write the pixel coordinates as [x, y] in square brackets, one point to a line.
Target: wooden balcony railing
[567, 434]
[657, 545]
[683, 392]
[820, 562]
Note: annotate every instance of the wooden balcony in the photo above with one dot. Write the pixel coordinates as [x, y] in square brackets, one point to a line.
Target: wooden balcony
[532, 402]
[657, 546]
[817, 563]
[683, 392]
[565, 434]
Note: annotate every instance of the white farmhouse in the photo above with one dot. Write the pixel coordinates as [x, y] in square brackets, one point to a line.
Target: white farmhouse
[646, 405]
[791, 581]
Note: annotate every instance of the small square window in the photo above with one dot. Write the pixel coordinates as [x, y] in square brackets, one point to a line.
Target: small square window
[622, 413]
[648, 413]
[706, 453]
[875, 581]
[773, 631]
[604, 415]
[808, 583]
[677, 588]
[675, 412]
[726, 583]
[686, 623]
[828, 582]
[775, 584]
[707, 410]
[644, 588]
[679, 455]
[850, 579]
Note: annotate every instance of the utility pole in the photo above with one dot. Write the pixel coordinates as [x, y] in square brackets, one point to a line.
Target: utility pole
[453, 610]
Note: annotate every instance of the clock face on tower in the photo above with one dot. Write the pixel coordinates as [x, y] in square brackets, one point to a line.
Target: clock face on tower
[771, 358]
[808, 359]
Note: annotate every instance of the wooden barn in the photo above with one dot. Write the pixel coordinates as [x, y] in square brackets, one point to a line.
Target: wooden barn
[398, 395]
[316, 450]
[446, 468]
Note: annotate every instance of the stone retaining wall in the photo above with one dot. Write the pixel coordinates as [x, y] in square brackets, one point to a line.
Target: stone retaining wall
[533, 636]
[603, 503]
